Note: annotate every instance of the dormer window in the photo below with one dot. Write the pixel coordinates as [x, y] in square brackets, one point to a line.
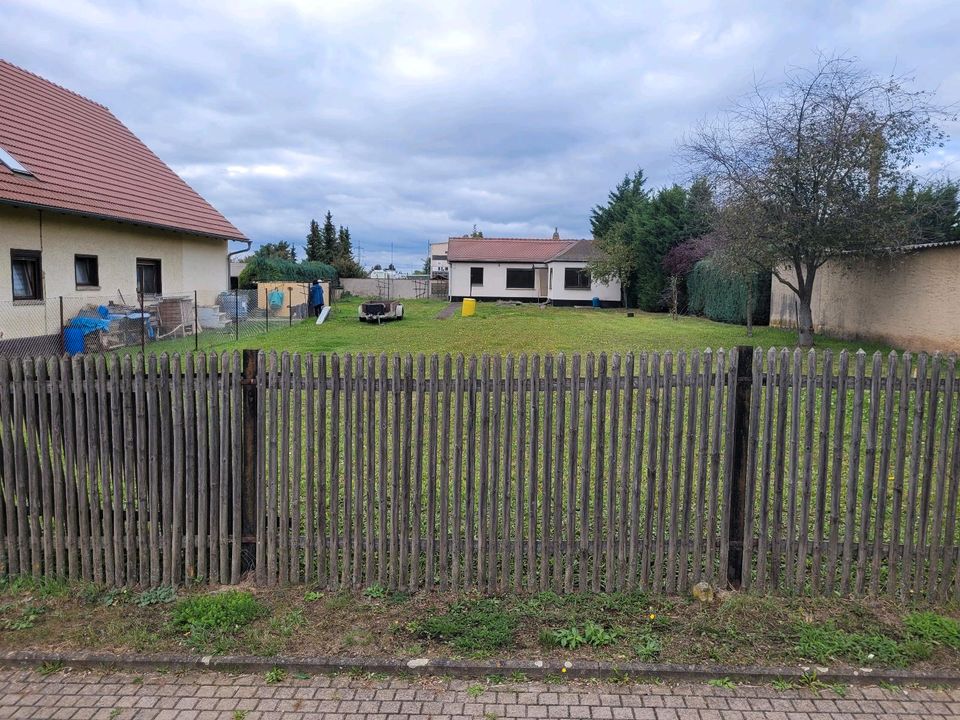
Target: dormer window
[11, 162]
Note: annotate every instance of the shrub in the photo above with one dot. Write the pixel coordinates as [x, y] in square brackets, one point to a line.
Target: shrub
[472, 626]
[271, 269]
[720, 296]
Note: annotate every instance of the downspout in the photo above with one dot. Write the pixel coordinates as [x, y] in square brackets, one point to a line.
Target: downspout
[237, 252]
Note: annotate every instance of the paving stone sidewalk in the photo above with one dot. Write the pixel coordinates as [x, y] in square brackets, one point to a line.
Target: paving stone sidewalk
[216, 696]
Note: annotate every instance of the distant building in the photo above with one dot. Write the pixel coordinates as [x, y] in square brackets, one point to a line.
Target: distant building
[382, 274]
[438, 259]
[236, 267]
[529, 269]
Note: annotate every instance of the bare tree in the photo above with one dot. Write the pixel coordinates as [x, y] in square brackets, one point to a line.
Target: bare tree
[815, 170]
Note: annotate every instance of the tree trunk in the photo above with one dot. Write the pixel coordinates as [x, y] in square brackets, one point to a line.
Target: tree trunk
[804, 323]
[673, 296]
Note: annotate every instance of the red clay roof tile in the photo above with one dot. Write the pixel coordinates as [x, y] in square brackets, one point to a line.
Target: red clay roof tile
[84, 160]
[505, 249]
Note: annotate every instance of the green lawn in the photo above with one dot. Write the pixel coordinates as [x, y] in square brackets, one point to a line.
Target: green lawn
[503, 329]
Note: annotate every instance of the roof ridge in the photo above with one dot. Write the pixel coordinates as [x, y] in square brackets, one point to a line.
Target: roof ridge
[521, 239]
[56, 85]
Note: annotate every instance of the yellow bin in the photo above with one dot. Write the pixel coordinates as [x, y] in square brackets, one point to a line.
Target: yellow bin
[469, 307]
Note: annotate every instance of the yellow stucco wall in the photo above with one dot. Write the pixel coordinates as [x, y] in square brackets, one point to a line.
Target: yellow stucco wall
[187, 263]
[910, 302]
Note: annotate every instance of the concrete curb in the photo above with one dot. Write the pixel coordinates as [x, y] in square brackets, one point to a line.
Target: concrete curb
[532, 669]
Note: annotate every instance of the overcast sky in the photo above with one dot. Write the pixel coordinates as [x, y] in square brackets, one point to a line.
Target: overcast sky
[413, 121]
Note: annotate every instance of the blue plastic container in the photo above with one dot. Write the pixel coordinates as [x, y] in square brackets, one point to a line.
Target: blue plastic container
[73, 340]
[596, 302]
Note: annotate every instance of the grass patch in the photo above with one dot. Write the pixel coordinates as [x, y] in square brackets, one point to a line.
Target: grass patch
[472, 626]
[623, 627]
[826, 644]
[208, 618]
[503, 329]
[933, 629]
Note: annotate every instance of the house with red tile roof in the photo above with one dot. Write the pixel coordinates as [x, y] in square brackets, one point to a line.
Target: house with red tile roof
[551, 270]
[87, 211]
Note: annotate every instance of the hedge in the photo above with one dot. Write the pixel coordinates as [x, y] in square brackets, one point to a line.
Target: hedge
[721, 296]
[260, 269]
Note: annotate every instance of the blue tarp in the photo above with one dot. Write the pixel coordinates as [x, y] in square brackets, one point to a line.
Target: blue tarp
[89, 324]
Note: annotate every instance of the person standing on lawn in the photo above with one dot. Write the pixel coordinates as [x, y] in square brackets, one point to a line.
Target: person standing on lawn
[316, 298]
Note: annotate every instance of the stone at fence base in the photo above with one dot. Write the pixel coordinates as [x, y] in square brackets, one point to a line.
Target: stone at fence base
[703, 592]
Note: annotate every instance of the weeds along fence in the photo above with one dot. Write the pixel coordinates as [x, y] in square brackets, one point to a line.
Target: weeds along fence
[775, 472]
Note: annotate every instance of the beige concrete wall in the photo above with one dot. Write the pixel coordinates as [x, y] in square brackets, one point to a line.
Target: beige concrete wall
[294, 293]
[402, 288]
[187, 263]
[910, 302]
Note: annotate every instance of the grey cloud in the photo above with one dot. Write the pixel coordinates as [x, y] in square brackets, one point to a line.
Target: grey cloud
[415, 121]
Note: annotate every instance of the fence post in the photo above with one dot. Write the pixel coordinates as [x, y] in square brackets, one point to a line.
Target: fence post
[63, 339]
[248, 468]
[196, 323]
[738, 480]
[290, 305]
[143, 330]
[236, 314]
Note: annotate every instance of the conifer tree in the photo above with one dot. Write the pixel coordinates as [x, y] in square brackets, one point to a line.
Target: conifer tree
[329, 240]
[314, 242]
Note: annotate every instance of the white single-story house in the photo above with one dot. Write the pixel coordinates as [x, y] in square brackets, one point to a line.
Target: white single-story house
[90, 216]
[527, 269]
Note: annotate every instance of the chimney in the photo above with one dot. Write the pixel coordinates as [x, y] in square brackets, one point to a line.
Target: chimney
[556, 233]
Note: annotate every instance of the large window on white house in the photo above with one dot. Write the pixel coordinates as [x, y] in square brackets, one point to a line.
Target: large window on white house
[27, 274]
[86, 269]
[476, 276]
[576, 279]
[520, 278]
[148, 277]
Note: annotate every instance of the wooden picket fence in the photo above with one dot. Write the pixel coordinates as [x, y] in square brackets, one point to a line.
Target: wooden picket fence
[777, 472]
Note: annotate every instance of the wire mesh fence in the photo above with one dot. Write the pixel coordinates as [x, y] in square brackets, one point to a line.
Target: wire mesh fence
[184, 320]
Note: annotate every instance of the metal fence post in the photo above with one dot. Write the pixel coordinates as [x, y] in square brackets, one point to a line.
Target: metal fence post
[739, 447]
[196, 323]
[236, 314]
[248, 469]
[290, 305]
[63, 339]
[143, 331]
